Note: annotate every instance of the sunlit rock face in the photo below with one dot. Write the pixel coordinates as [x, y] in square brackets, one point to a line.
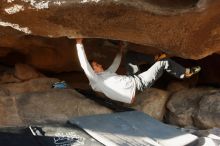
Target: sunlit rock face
[35, 32]
[188, 29]
[40, 34]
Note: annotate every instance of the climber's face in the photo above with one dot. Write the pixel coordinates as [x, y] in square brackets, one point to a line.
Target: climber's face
[97, 67]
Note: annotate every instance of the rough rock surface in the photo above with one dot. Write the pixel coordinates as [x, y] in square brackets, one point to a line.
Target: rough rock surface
[34, 85]
[188, 29]
[34, 102]
[152, 102]
[8, 112]
[26, 72]
[194, 107]
[208, 115]
[176, 86]
[55, 106]
[54, 55]
[9, 78]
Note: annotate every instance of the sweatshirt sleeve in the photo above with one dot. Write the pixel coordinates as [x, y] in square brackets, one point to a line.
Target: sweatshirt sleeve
[116, 63]
[84, 62]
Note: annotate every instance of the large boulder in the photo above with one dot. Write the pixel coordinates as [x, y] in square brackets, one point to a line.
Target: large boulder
[194, 107]
[152, 101]
[34, 85]
[208, 115]
[35, 102]
[8, 111]
[56, 105]
[188, 29]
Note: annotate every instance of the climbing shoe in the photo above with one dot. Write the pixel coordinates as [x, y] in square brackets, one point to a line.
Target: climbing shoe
[192, 71]
[160, 56]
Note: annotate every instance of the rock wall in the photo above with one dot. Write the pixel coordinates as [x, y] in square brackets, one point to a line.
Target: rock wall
[27, 97]
[35, 32]
[35, 102]
[41, 34]
[199, 107]
[188, 29]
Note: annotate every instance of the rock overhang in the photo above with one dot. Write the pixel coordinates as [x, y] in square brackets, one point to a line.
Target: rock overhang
[189, 29]
[37, 31]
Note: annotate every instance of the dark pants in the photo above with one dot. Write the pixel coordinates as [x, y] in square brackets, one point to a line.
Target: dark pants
[147, 78]
[132, 59]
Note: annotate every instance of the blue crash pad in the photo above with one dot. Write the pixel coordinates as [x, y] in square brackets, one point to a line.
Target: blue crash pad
[132, 129]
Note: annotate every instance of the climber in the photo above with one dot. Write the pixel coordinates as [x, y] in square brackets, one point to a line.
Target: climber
[123, 87]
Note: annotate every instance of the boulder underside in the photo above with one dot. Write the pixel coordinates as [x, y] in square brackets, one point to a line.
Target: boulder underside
[188, 29]
[41, 34]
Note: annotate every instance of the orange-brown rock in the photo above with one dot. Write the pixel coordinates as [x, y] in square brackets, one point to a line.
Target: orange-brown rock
[188, 29]
[26, 72]
[37, 33]
[8, 77]
[57, 55]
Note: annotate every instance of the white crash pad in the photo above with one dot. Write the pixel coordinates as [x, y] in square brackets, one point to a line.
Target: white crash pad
[132, 129]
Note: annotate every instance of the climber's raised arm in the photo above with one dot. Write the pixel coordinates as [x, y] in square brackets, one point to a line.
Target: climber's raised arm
[83, 60]
[116, 62]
